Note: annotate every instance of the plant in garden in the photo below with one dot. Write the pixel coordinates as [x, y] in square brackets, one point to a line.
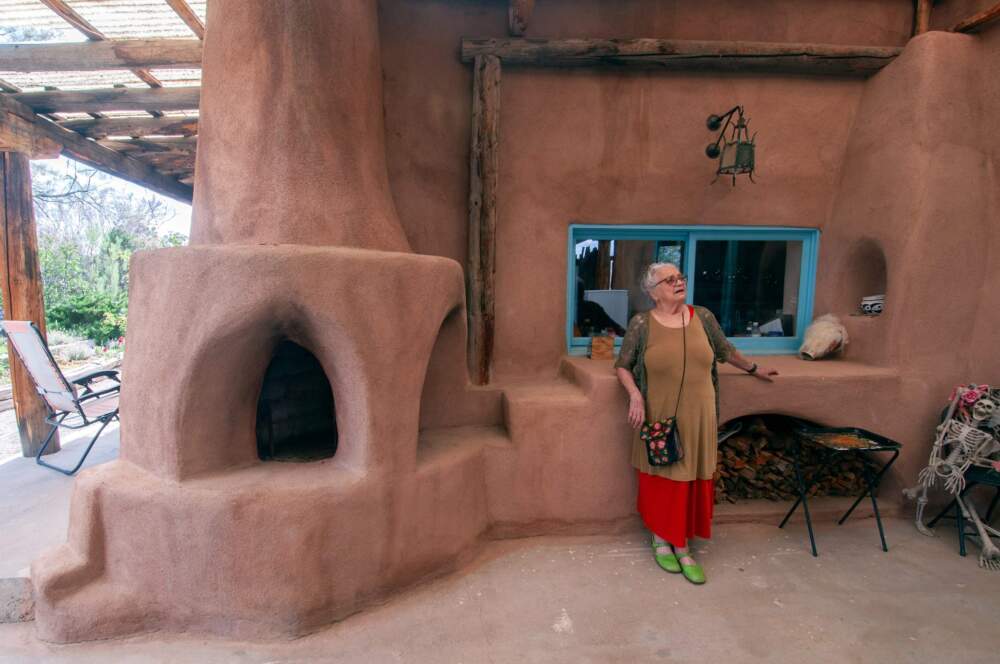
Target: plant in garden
[88, 230]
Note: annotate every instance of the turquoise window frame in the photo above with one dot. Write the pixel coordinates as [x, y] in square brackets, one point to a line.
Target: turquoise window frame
[690, 235]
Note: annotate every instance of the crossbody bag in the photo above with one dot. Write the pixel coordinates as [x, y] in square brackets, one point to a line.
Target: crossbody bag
[662, 438]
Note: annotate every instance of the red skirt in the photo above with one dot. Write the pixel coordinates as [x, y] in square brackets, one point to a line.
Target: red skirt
[676, 511]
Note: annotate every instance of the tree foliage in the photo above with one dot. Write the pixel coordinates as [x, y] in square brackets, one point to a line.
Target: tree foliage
[88, 229]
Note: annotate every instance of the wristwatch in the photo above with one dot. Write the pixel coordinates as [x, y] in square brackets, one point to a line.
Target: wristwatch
[753, 369]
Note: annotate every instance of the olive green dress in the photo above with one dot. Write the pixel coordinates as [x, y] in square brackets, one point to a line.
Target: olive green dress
[697, 420]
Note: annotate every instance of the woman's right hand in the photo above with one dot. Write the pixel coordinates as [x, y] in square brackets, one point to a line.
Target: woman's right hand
[636, 410]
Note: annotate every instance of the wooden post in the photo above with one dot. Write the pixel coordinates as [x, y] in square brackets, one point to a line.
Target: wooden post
[22, 292]
[518, 15]
[483, 175]
[922, 19]
[603, 278]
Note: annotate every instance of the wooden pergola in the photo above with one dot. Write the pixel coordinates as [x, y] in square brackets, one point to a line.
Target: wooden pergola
[123, 99]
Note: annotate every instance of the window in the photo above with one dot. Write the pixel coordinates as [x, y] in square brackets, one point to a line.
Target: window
[757, 281]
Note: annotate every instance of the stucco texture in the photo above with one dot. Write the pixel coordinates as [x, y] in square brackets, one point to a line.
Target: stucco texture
[190, 531]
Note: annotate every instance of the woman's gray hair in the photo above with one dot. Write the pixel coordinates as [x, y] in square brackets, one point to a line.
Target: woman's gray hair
[649, 279]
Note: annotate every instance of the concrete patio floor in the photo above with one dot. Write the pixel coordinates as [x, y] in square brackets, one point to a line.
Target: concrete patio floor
[34, 501]
[602, 599]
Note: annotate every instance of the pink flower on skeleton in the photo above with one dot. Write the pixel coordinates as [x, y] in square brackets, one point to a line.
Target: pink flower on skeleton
[971, 396]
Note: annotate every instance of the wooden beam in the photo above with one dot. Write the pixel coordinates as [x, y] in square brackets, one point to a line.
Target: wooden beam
[22, 292]
[93, 34]
[672, 54]
[152, 145]
[518, 16]
[19, 135]
[69, 15]
[922, 17]
[133, 126]
[978, 20]
[101, 55]
[193, 21]
[111, 99]
[89, 152]
[174, 162]
[483, 177]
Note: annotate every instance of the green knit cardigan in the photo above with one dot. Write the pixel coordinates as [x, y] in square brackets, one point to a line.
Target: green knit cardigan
[633, 350]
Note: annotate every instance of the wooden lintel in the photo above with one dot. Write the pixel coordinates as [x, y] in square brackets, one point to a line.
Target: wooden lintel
[21, 286]
[97, 156]
[518, 16]
[483, 177]
[111, 99]
[672, 54]
[104, 127]
[979, 20]
[102, 55]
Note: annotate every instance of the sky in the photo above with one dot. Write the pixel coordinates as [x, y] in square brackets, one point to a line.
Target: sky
[179, 222]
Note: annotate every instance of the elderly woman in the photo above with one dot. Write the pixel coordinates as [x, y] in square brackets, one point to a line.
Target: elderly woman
[667, 365]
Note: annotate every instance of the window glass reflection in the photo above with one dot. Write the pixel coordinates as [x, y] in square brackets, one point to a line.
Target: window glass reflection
[751, 286]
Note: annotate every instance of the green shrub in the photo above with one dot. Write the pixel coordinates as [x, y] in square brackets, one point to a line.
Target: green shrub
[96, 316]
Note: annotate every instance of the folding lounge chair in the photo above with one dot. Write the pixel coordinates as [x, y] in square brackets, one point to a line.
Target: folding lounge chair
[68, 407]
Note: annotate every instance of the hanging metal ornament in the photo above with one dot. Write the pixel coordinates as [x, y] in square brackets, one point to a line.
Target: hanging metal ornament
[734, 147]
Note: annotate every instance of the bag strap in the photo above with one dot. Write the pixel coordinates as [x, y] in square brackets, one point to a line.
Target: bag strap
[685, 365]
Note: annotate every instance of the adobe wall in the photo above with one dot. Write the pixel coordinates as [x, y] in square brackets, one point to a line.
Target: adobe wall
[608, 147]
[902, 165]
[920, 183]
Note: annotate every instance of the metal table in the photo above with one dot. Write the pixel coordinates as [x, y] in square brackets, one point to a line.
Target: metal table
[835, 441]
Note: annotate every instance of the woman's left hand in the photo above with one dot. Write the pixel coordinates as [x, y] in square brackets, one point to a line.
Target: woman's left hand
[766, 373]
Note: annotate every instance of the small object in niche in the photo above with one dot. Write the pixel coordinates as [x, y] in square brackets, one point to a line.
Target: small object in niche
[873, 305]
[825, 336]
[602, 348]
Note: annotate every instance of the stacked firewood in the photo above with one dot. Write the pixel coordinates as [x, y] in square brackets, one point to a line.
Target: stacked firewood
[758, 463]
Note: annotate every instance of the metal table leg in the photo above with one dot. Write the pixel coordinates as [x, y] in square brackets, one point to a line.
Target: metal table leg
[872, 484]
[803, 490]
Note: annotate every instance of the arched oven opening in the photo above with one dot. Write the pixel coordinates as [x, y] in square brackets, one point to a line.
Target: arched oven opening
[296, 420]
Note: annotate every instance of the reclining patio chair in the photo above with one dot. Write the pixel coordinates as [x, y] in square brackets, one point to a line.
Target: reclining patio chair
[68, 407]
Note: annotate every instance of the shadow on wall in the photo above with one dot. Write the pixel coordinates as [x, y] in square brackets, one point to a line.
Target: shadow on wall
[448, 399]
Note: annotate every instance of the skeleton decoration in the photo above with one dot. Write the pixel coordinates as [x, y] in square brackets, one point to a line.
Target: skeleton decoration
[968, 436]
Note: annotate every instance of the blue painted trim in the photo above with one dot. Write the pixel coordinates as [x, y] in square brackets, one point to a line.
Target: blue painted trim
[690, 235]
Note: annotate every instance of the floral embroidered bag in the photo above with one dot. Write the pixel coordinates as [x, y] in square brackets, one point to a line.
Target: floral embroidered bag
[662, 438]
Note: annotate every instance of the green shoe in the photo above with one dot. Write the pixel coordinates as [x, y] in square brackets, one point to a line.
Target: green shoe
[667, 562]
[693, 573]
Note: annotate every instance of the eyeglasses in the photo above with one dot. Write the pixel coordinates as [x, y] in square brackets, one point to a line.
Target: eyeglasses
[672, 280]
